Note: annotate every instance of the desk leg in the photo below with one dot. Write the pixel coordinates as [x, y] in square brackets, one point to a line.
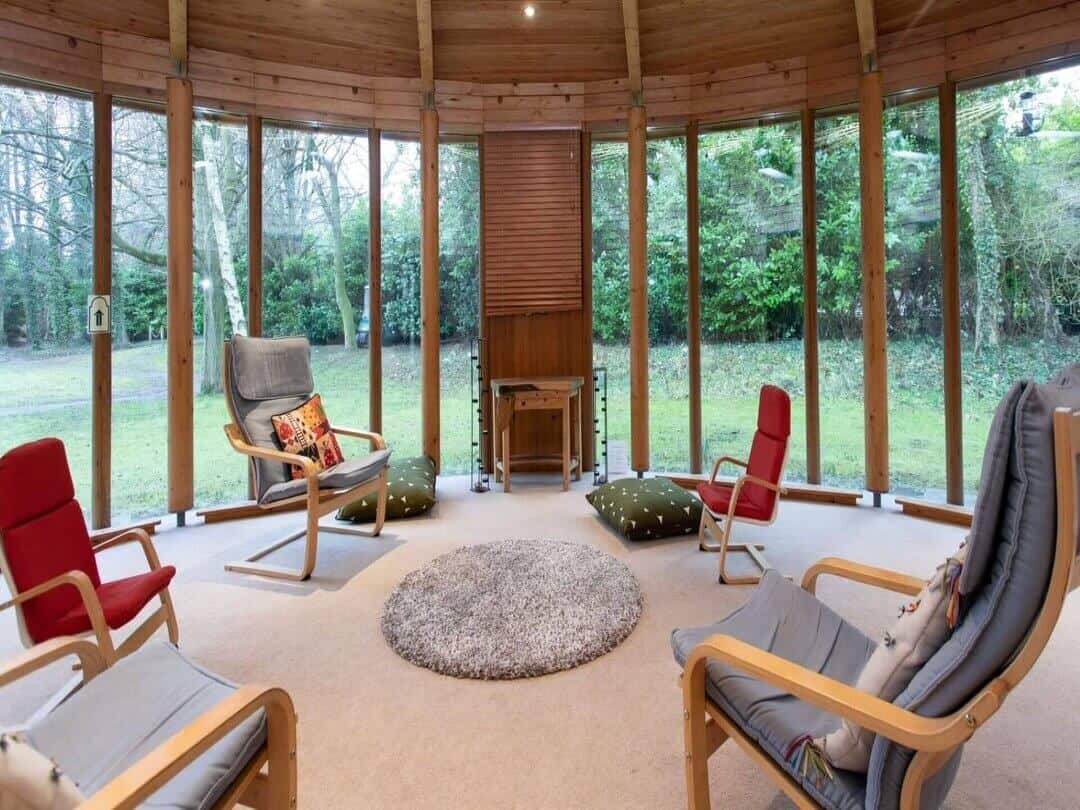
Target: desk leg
[577, 434]
[506, 454]
[566, 443]
[496, 435]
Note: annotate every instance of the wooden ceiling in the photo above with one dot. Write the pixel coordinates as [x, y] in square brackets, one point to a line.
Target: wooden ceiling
[492, 40]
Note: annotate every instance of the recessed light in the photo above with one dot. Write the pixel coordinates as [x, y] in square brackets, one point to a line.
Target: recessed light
[530, 11]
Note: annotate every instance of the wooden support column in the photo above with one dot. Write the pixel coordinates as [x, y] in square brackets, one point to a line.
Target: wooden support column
[875, 372]
[429, 281]
[950, 297]
[375, 280]
[255, 230]
[693, 267]
[588, 394]
[639, 301]
[810, 322]
[101, 344]
[181, 418]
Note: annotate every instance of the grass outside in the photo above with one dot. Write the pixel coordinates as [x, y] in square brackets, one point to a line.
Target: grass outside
[48, 393]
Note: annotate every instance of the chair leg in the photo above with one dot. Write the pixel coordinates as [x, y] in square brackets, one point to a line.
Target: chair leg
[695, 740]
[380, 507]
[170, 618]
[709, 525]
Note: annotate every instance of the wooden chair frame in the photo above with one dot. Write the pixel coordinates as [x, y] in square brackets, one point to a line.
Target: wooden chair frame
[273, 790]
[164, 615]
[934, 739]
[709, 521]
[318, 503]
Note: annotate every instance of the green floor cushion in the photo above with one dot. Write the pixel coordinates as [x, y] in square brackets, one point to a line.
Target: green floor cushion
[645, 508]
[410, 492]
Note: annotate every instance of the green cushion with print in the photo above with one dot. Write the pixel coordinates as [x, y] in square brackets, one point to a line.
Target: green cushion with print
[647, 508]
[409, 492]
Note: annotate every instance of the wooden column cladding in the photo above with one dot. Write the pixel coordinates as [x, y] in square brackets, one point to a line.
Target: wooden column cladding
[429, 282]
[693, 292]
[375, 279]
[255, 229]
[588, 394]
[180, 289]
[101, 344]
[872, 193]
[639, 302]
[810, 322]
[950, 296]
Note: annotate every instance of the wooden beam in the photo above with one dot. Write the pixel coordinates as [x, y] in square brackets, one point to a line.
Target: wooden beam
[427, 53]
[101, 344]
[375, 280]
[639, 301]
[633, 47]
[693, 294]
[178, 36]
[950, 296]
[255, 227]
[867, 24]
[588, 393]
[810, 322]
[942, 513]
[100, 536]
[875, 376]
[793, 491]
[181, 418]
[429, 282]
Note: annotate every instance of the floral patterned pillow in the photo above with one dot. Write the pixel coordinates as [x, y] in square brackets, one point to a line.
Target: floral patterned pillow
[305, 431]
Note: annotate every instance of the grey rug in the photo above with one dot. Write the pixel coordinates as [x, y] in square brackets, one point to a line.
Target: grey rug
[512, 609]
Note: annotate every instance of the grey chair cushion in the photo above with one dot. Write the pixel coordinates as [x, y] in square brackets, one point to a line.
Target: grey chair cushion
[129, 710]
[785, 620]
[349, 473]
[995, 618]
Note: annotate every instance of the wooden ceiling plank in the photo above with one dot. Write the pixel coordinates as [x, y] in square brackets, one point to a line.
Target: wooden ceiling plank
[178, 36]
[864, 17]
[633, 47]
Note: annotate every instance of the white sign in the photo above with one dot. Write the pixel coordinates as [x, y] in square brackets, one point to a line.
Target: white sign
[98, 310]
[616, 459]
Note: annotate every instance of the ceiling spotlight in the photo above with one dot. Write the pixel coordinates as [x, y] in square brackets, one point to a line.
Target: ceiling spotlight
[530, 11]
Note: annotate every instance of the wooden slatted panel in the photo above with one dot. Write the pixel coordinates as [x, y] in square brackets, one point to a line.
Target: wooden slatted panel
[532, 222]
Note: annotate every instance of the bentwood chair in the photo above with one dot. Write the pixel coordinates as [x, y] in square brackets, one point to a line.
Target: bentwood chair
[264, 377]
[782, 668]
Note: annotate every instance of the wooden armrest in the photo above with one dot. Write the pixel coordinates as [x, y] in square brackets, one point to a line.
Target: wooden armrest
[867, 574]
[236, 439]
[149, 774]
[914, 731]
[140, 536]
[376, 439]
[716, 466]
[41, 655]
[746, 478]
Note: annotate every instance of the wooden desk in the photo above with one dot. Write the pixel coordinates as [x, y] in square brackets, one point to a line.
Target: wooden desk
[512, 394]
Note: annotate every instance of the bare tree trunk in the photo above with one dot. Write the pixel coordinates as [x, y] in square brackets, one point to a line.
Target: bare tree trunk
[332, 208]
[216, 209]
[987, 252]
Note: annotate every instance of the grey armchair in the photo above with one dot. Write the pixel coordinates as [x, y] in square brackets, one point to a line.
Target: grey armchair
[264, 377]
[784, 665]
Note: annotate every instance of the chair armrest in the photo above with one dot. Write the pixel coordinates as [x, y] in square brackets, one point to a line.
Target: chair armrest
[746, 478]
[931, 734]
[142, 779]
[376, 439]
[240, 445]
[716, 466]
[41, 655]
[140, 536]
[866, 574]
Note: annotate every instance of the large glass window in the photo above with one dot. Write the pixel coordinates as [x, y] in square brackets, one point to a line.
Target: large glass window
[750, 182]
[1019, 170]
[140, 369]
[46, 268]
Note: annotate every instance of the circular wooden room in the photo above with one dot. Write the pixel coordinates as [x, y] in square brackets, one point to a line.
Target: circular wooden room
[539, 404]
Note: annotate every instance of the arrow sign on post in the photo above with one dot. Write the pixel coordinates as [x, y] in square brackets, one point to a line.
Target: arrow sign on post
[98, 321]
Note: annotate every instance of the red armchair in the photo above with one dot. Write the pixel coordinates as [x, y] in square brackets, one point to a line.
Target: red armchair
[755, 495]
[51, 567]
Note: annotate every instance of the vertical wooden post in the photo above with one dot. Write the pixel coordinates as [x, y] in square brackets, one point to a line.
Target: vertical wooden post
[429, 281]
[875, 370]
[950, 296]
[693, 292]
[255, 230]
[375, 280]
[639, 301]
[587, 394]
[101, 344]
[810, 323]
[181, 418]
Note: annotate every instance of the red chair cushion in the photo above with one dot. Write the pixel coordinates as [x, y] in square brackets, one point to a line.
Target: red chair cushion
[774, 413]
[717, 497]
[34, 479]
[121, 600]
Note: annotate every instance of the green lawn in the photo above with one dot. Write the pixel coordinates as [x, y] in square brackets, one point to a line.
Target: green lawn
[47, 393]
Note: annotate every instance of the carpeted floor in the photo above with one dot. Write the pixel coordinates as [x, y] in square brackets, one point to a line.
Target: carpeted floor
[378, 732]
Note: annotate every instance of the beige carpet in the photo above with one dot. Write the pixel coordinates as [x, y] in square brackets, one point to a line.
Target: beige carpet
[377, 732]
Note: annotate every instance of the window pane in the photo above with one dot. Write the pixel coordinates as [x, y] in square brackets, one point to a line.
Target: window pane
[669, 376]
[46, 269]
[140, 388]
[459, 298]
[750, 183]
[839, 293]
[220, 305]
[401, 296]
[1019, 168]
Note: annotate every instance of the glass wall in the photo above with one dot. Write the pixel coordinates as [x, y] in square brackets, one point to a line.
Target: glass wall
[750, 186]
[839, 293]
[401, 295]
[140, 384]
[46, 269]
[315, 259]
[459, 297]
[913, 285]
[669, 374]
[1018, 173]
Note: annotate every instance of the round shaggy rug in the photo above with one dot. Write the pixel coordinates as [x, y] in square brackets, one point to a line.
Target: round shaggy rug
[512, 609]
